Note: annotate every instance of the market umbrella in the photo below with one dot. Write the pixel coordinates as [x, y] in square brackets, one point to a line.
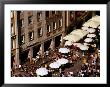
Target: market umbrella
[64, 50]
[88, 40]
[96, 18]
[55, 65]
[84, 28]
[68, 43]
[90, 23]
[62, 61]
[84, 47]
[86, 44]
[91, 35]
[79, 32]
[91, 30]
[72, 37]
[77, 44]
[42, 71]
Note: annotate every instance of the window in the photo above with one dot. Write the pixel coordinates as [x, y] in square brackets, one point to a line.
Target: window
[40, 33]
[39, 16]
[22, 39]
[30, 20]
[47, 13]
[48, 28]
[53, 12]
[60, 23]
[31, 36]
[21, 23]
[59, 12]
[72, 14]
[54, 25]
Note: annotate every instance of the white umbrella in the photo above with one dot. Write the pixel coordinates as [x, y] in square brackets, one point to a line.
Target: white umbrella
[91, 35]
[79, 32]
[42, 71]
[96, 18]
[86, 44]
[91, 30]
[88, 40]
[68, 43]
[84, 28]
[64, 50]
[55, 65]
[67, 36]
[77, 44]
[62, 61]
[72, 37]
[84, 47]
[91, 23]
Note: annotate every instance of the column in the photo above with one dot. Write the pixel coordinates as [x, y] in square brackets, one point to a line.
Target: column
[26, 28]
[52, 45]
[17, 61]
[62, 40]
[44, 24]
[30, 53]
[63, 26]
[35, 27]
[67, 20]
[41, 49]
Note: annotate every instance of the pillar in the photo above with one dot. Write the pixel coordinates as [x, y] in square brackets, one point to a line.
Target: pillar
[52, 45]
[62, 40]
[17, 60]
[42, 49]
[44, 25]
[30, 53]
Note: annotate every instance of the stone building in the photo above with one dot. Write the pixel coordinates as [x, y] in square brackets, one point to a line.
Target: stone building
[37, 31]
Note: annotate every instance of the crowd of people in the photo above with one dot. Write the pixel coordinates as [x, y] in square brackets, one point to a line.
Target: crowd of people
[89, 67]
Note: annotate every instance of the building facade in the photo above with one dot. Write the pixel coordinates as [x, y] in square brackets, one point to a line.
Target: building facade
[37, 31]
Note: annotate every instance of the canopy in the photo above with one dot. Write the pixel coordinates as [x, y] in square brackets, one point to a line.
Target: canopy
[79, 32]
[62, 61]
[84, 28]
[91, 23]
[72, 37]
[96, 18]
[88, 40]
[91, 30]
[42, 71]
[91, 35]
[64, 50]
[68, 43]
[55, 65]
